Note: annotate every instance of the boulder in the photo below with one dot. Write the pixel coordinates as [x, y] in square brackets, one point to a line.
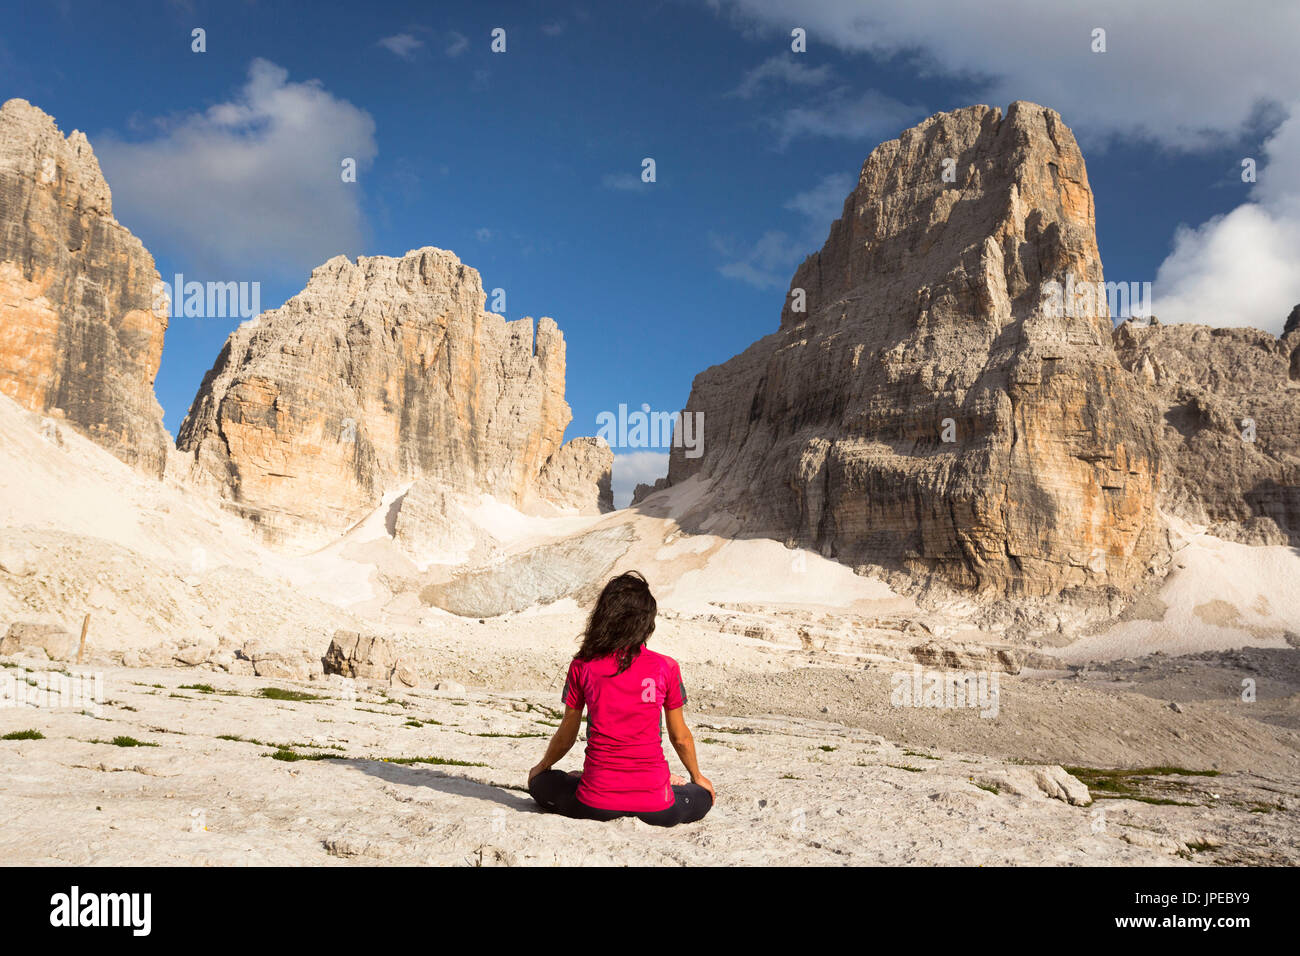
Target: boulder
[574, 567]
[1038, 782]
[52, 640]
[365, 657]
[270, 660]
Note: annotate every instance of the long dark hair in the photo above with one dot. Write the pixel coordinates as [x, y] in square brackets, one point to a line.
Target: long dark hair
[621, 622]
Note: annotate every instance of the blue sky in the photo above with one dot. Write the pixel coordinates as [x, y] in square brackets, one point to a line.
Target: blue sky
[527, 163]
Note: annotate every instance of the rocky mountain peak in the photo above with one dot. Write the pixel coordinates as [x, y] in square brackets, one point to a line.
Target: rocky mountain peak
[82, 343]
[930, 409]
[384, 371]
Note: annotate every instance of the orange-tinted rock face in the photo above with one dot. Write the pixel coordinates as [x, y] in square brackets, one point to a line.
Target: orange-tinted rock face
[381, 372]
[78, 339]
[928, 411]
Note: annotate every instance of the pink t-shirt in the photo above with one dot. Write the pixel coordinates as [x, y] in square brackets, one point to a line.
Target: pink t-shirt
[625, 767]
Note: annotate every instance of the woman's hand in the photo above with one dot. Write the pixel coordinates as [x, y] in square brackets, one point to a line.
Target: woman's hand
[561, 741]
[704, 782]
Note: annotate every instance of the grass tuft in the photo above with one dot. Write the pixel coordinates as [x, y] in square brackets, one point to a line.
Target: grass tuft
[24, 735]
[1126, 784]
[436, 761]
[279, 693]
[124, 741]
[292, 755]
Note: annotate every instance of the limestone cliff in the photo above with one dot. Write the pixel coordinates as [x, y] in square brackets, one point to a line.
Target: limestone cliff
[382, 372]
[1229, 403]
[930, 410]
[79, 339]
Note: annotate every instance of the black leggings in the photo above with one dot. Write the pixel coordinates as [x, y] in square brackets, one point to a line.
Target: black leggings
[556, 791]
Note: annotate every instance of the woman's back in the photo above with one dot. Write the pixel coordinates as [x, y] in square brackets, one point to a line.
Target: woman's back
[624, 687]
[625, 767]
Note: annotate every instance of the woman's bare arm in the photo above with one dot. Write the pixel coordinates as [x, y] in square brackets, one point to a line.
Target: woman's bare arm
[561, 741]
[684, 743]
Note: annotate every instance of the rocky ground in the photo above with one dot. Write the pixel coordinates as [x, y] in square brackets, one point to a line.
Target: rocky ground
[811, 762]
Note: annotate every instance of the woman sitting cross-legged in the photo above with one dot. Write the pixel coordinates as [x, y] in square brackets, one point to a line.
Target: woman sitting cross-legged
[624, 686]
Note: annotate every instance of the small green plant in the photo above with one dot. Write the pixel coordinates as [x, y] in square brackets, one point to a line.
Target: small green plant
[827, 748]
[992, 788]
[437, 761]
[1125, 784]
[413, 723]
[124, 741]
[790, 776]
[24, 735]
[279, 693]
[508, 735]
[292, 755]
[201, 688]
[899, 766]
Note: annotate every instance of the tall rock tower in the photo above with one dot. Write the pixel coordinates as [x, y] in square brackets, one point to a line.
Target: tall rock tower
[381, 372]
[79, 339]
[929, 410]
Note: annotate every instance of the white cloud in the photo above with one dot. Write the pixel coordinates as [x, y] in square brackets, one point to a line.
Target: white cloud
[1182, 74]
[250, 187]
[633, 468]
[458, 45]
[764, 264]
[1241, 268]
[871, 116]
[402, 44]
[769, 262]
[823, 203]
[553, 29]
[781, 69]
[483, 234]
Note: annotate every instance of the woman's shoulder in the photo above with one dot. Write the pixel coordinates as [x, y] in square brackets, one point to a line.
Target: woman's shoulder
[663, 660]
